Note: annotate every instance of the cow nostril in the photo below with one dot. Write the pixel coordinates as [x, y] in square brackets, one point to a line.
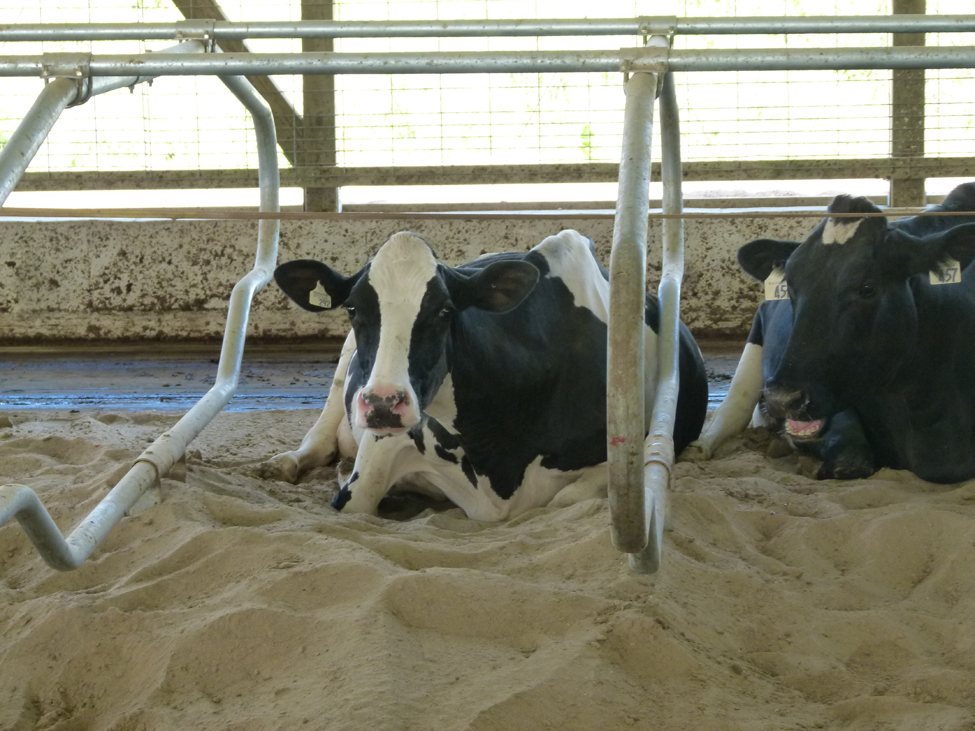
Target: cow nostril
[781, 400]
[374, 400]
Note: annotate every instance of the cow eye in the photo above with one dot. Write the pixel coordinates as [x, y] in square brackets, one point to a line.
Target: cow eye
[867, 290]
[351, 310]
[446, 312]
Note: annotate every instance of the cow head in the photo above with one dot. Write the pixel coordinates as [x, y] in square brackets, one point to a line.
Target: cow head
[855, 290]
[403, 306]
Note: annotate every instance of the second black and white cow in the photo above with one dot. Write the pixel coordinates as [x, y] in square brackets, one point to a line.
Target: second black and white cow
[484, 383]
[868, 362]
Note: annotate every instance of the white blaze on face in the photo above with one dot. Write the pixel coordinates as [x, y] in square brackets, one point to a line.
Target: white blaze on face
[840, 230]
[399, 273]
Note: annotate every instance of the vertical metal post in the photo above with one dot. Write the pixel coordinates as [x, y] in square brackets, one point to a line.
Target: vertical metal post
[659, 447]
[317, 146]
[625, 409]
[907, 115]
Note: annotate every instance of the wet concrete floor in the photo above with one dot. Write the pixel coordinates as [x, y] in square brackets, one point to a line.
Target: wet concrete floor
[165, 377]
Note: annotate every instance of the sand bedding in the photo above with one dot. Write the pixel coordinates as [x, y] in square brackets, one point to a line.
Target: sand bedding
[240, 603]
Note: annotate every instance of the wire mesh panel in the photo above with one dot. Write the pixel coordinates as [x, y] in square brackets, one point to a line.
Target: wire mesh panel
[950, 102]
[764, 123]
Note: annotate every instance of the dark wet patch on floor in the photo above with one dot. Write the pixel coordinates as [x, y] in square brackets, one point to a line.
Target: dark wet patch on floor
[142, 380]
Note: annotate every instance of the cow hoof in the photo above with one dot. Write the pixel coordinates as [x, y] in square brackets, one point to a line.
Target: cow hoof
[282, 467]
[846, 469]
[341, 498]
[696, 451]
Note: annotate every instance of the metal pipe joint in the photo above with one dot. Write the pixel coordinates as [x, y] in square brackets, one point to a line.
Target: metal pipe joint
[73, 66]
[198, 30]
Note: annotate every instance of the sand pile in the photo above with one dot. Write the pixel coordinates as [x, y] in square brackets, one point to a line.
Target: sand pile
[237, 603]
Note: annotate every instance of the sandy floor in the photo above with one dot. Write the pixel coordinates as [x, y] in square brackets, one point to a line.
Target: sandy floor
[236, 603]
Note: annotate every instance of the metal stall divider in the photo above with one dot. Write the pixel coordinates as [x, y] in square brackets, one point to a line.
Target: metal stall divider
[637, 495]
[22, 502]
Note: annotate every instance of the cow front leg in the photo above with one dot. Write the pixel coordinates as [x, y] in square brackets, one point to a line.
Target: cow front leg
[330, 435]
[734, 413]
[844, 449]
[591, 484]
[378, 465]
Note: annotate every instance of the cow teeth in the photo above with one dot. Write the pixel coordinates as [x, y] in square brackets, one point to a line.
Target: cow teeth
[803, 428]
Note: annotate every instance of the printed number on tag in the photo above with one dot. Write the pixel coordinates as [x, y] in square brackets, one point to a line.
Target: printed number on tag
[319, 297]
[776, 288]
[950, 273]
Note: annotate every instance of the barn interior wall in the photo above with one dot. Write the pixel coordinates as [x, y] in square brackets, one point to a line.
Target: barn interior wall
[145, 281]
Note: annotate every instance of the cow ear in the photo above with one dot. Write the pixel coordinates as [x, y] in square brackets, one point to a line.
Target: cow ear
[300, 280]
[932, 252]
[498, 287]
[759, 258]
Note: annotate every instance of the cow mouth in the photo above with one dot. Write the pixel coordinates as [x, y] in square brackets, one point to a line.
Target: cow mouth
[803, 430]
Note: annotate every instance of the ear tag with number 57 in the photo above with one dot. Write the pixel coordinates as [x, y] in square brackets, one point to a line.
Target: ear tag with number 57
[319, 297]
[776, 288]
[948, 273]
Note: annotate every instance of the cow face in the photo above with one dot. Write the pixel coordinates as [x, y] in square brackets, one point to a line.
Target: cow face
[855, 310]
[403, 306]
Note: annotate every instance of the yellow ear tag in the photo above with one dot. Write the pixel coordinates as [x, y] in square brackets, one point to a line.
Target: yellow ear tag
[949, 273]
[319, 297]
[776, 287]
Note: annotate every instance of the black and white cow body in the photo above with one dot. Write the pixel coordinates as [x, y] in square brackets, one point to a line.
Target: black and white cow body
[868, 364]
[484, 383]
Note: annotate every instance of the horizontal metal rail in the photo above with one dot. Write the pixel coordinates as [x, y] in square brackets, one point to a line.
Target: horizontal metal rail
[653, 60]
[21, 502]
[595, 172]
[644, 25]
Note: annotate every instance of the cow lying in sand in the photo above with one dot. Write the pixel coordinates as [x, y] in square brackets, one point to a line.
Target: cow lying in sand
[869, 361]
[485, 383]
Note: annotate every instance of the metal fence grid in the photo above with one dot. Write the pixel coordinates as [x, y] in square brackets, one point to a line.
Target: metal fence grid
[191, 123]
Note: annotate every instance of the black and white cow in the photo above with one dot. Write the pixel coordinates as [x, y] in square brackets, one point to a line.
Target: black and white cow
[484, 383]
[869, 361]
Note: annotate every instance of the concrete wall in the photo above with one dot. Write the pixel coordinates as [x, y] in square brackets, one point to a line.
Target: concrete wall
[170, 281]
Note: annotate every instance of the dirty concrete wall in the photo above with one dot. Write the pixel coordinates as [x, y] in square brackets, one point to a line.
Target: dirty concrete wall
[170, 281]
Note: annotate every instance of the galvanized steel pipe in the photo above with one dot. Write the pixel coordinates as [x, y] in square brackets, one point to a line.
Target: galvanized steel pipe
[644, 25]
[659, 445]
[625, 367]
[654, 60]
[34, 128]
[21, 502]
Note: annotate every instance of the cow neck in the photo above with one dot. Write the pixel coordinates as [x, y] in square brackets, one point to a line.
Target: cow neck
[941, 328]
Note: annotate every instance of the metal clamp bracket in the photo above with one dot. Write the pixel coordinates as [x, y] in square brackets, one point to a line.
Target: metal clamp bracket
[658, 26]
[651, 59]
[74, 66]
[198, 30]
[659, 449]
